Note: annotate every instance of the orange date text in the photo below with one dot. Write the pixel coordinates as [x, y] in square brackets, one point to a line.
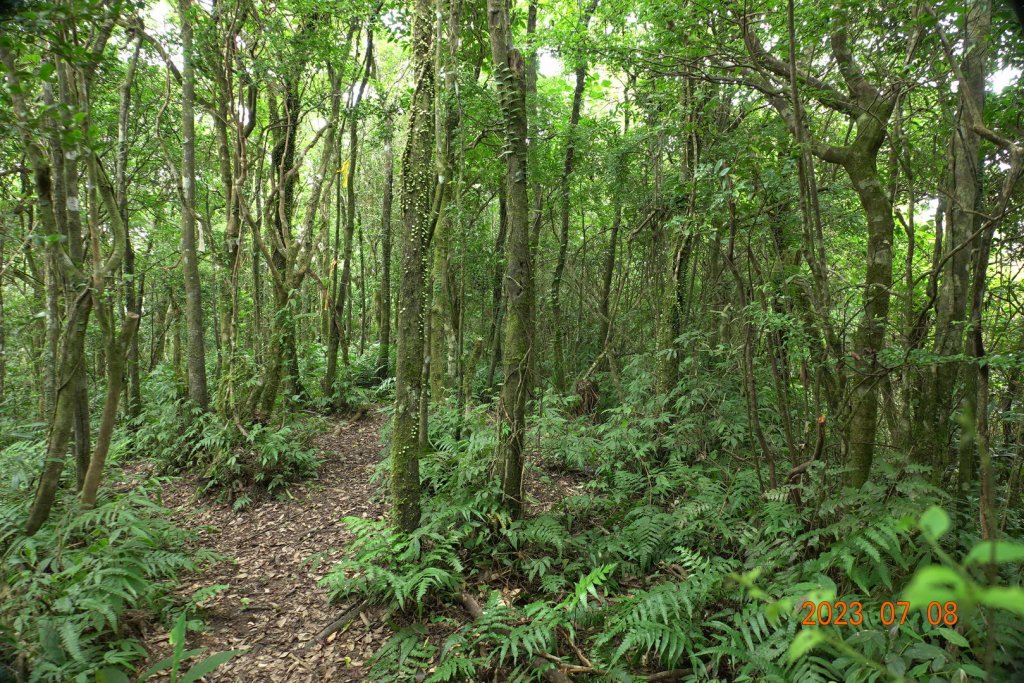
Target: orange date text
[841, 613]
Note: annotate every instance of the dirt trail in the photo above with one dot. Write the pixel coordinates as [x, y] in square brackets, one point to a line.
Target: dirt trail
[277, 552]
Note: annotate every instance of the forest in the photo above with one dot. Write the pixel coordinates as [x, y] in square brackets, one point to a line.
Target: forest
[511, 340]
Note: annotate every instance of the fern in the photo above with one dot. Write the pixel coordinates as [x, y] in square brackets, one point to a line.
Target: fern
[405, 655]
[69, 587]
[643, 568]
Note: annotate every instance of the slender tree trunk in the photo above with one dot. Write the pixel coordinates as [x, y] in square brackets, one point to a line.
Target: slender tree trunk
[384, 351]
[68, 210]
[497, 300]
[362, 292]
[558, 333]
[231, 165]
[52, 354]
[283, 363]
[177, 341]
[518, 334]
[964, 220]
[71, 356]
[870, 336]
[257, 301]
[608, 273]
[158, 333]
[564, 185]
[417, 192]
[197, 388]
[44, 286]
[342, 299]
[974, 440]
[116, 353]
[133, 291]
[444, 310]
[975, 447]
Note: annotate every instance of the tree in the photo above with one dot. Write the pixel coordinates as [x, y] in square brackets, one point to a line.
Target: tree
[868, 108]
[517, 343]
[197, 389]
[417, 190]
[384, 352]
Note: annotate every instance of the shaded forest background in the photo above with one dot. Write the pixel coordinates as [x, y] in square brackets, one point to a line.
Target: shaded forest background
[747, 275]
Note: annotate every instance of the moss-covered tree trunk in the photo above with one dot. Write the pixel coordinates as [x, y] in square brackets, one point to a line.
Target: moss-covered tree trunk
[445, 312]
[417, 184]
[518, 350]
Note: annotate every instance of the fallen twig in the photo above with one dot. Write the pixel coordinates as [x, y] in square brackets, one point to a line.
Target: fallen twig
[348, 615]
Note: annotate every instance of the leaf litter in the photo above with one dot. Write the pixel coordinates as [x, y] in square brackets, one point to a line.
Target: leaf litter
[263, 597]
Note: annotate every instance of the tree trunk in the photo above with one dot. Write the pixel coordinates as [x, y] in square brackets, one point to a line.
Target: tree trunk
[518, 333]
[568, 165]
[417, 192]
[116, 353]
[869, 339]
[197, 388]
[337, 339]
[557, 340]
[71, 356]
[608, 273]
[932, 441]
[497, 300]
[384, 352]
[67, 208]
[50, 185]
[444, 310]
[133, 289]
[158, 333]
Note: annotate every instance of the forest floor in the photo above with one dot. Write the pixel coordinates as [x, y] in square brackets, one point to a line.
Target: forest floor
[275, 551]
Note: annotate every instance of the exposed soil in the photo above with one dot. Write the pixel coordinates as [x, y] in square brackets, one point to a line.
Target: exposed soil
[276, 552]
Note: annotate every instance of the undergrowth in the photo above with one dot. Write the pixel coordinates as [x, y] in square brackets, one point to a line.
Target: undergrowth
[663, 553]
[233, 459]
[75, 593]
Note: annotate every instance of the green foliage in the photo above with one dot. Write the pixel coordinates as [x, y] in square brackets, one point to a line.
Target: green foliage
[356, 385]
[267, 456]
[405, 655]
[183, 438]
[72, 591]
[396, 569]
[921, 646]
[194, 673]
[644, 568]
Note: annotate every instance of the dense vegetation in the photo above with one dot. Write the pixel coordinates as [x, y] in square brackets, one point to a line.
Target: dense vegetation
[685, 317]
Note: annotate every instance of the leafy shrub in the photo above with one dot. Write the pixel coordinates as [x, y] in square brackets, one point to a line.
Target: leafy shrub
[355, 386]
